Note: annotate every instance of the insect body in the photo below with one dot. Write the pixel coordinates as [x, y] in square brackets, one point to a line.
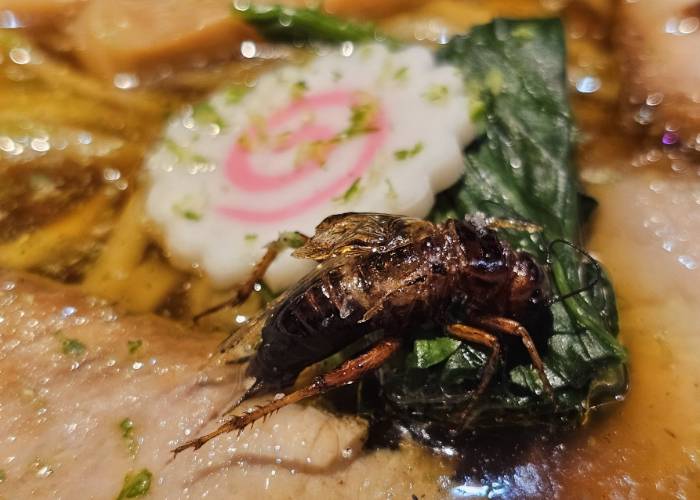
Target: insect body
[385, 272]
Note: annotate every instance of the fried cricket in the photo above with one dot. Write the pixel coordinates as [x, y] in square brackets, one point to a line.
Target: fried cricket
[386, 272]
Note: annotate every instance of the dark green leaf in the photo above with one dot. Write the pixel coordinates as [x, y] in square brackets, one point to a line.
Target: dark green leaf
[521, 169]
[430, 352]
[302, 25]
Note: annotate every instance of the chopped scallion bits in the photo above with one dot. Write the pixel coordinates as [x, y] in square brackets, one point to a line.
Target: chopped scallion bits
[236, 93]
[136, 485]
[204, 113]
[352, 192]
[436, 93]
[404, 154]
[134, 345]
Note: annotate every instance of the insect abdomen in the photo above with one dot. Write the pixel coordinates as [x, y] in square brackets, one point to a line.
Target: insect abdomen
[306, 328]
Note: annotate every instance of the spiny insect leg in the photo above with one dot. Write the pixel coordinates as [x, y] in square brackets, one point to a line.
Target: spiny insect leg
[518, 225]
[510, 327]
[257, 387]
[348, 372]
[246, 288]
[477, 336]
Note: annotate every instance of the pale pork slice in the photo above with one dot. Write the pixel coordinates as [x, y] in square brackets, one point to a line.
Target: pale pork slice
[33, 13]
[660, 40]
[118, 37]
[88, 395]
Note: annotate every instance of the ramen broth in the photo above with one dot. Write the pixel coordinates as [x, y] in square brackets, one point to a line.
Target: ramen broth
[646, 231]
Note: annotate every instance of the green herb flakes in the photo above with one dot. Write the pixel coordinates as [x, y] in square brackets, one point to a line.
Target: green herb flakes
[350, 193]
[134, 345]
[404, 154]
[361, 120]
[236, 93]
[73, 347]
[251, 237]
[127, 429]
[390, 191]
[298, 89]
[436, 93]
[181, 154]
[185, 210]
[136, 485]
[401, 73]
[3, 476]
[173, 147]
[69, 346]
[204, 113]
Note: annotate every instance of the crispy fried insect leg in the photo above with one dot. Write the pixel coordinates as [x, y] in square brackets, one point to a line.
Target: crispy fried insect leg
[477, 336]
[347, 373]
[518, 225]
[244, 290]
[511, 327]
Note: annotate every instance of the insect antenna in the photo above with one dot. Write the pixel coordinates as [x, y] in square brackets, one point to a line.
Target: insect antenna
[586, 287]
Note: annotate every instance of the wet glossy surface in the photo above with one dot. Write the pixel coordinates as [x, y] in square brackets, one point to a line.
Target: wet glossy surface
[647, 234]
[59, 423]
[72, 370]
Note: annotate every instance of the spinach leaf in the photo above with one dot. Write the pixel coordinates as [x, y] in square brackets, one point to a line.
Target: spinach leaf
[303, 25]
[520, 169]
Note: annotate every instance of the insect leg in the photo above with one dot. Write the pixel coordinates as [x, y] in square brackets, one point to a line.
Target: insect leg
[347, 373]
[243, 291]
[517, 225]
[510, 327]
[477, 336]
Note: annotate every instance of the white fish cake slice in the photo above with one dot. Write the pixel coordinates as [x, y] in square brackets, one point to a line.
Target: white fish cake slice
[361, 128]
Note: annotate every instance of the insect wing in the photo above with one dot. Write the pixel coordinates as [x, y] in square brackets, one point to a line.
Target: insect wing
[244, 341]
[358, 233]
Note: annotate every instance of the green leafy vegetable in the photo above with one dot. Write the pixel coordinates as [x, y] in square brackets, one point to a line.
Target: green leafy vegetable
[433, 351]
[521, 169]
[136, 485]
[303, 25]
